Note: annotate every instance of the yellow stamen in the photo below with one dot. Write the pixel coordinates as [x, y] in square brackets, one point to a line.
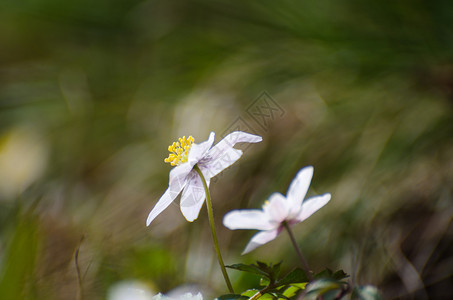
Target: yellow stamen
[179, 151]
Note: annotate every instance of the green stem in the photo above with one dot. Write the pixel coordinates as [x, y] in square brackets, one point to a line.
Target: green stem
[214, 234]
[299, 253]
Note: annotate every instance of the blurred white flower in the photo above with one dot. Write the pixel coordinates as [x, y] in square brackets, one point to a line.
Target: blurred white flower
[187, 296]
[291, 209]
[211, 160]
[23, 159]
[130, 290]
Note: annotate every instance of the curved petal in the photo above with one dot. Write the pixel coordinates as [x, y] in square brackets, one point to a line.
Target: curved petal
[198, 151]
[247, 219]
[230, 140]
[193, 197]
[276, 208]
[177, 181]
[298, 188]
[311, 205]
[212, 167]
[165, 200]
[260, 238]
[178, 178]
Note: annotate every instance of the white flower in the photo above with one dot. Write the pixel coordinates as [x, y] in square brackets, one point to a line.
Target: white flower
[187, 296]
[278, 210]
[130, 290]
[210, 159]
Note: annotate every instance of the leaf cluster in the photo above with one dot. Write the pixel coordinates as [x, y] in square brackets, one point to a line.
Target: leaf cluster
[327, 285]
[273, 286]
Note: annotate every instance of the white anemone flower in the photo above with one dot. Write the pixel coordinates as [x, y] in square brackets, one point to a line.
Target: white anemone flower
[278, 211]
[211, 160]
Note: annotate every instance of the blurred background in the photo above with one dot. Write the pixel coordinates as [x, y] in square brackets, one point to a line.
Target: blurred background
[92, 94]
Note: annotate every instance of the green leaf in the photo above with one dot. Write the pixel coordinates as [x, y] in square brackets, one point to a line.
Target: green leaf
[268, 271]
[279, 295]
[248, 268]
[272, 271]
[296, 276]
[291, 291]
[300, 285]
[340, 274]
[268, 296]
[323, 286]
[231, 297]
[262, 265]
[327, 273]
[366, 292]
[275, 270]
[264, 281]
[250, 293]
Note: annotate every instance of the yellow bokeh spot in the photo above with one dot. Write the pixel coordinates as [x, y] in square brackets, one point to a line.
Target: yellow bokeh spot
[179, 151]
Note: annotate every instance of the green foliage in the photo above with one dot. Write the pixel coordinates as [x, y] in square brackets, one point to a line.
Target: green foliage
[255, 269]
[327, 283]
[328, 274]
[274, 287]
[17, 272]
[295, 276]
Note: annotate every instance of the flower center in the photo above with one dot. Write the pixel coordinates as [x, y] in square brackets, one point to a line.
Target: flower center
[179, 151]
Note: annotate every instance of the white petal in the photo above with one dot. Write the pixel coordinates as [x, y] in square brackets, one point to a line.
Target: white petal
[198, 151]
[230, 140]
[261, 238]
[247, 219]
[178, 178]
[311, 205]
[193, 197]
[298, 188]
[276, 209]
[212, 167]
[177, 181]
[164, 201]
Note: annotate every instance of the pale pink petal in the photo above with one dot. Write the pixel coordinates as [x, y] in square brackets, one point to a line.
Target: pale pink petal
[311, 205]
[199, 151]
[247, 219]
[276, 208]
[164, 201]
[261, 238]
[193, 197]
[298, 189]
[230, 140]
[212, 167]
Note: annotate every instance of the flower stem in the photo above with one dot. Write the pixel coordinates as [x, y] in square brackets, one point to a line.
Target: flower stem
[299, 252]
[214, 234]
